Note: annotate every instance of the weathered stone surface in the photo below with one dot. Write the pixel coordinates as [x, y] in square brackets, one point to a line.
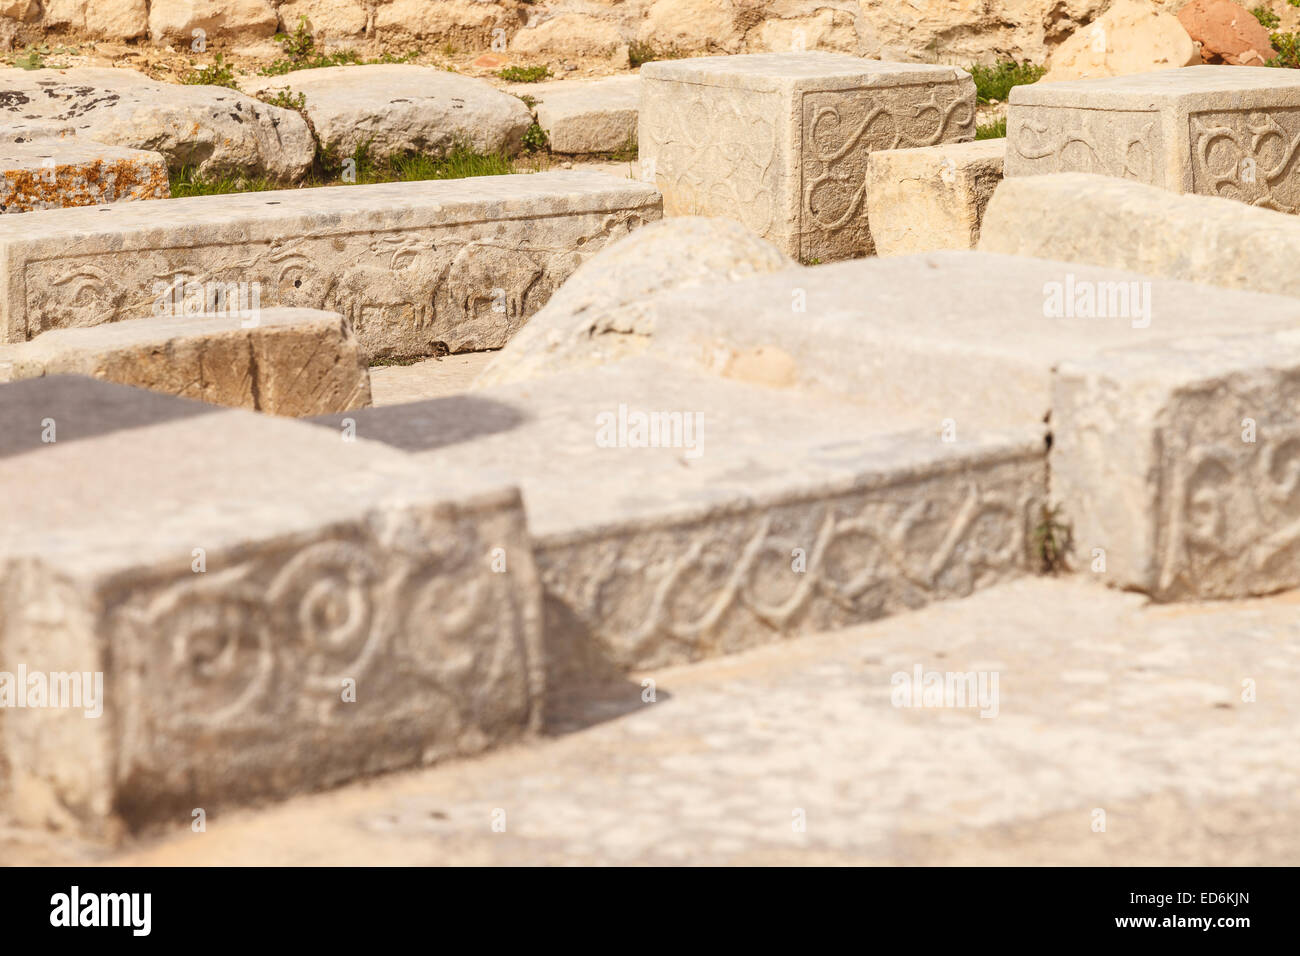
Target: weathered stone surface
[1125, 225]
[780, 141]
[932, 197]
[1180, 462]
[1132, 36]
[1227, 33]
[599, 314]
[468, 23]
[55, 172]
[571, 34]
[765, 514]
[960, 336]
[213, 129]
[326, 19]
[461, 262]
[397, 108]
[1215, 130]
[588, 117]
[119, 19]
[280, 361]
[174, 21]
[322, 561]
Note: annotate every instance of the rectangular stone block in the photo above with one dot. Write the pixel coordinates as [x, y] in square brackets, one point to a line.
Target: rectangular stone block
[754, 515]
[1224, 131]
[779, 141]
[57, 171]
[285, 362]
[417, 268]
[588, 117]
[1179, 465]
[272, 606]
[1121, 224]
[932, 197]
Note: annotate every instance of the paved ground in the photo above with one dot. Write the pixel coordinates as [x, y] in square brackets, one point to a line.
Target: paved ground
[432, 378]
[1104, 703]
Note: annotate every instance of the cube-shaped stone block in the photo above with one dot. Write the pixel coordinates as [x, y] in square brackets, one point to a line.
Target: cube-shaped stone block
[1228, 131]
[780, 141]
[1179, 464]
[932, 197]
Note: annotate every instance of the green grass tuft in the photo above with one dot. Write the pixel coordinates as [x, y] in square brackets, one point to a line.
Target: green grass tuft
[524, 74]
[995, 130]
[995, 82]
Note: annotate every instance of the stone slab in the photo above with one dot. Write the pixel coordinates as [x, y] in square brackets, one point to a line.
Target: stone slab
[280, 361]
[780, 141]
[56, 172]
[599, 116]
[958, 336]
[1181, 463]
[1121, 224]
[1214, 130]
[653, 555]
[418, 268]
[932, 197]
[324, 560]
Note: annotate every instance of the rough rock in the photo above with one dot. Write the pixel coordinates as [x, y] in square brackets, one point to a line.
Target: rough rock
[1126, 225]
[600, 313]
[281, 361]
[52, 172]
[418, 268]
[396, 108]
[1133, 36]
[119, 19]
[326, 19]
[1227, 33]
[571, 34]
[780, 141]
[174, 21]
[210, 128]
[932, 197]
[464, 23]
[599, 116]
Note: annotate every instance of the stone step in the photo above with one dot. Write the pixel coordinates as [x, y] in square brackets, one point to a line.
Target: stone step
[1213, 130]
[233, 578]
[280, 361]
[418, 268]
[1126, 225]
[583, 117]
[779, 141]
[752, 516]
[53, 172]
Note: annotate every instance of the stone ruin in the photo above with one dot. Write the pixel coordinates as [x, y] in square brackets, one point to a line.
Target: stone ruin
[689, 444]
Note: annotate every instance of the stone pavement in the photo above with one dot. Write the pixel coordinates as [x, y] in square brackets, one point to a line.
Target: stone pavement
[1105, 704]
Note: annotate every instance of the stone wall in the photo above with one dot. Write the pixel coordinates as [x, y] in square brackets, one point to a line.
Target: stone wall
[923, 30]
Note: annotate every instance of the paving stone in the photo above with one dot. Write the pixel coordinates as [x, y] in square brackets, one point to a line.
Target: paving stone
[51, 173]
[1213, 130]
[418, 268]
[780, 141]
[763, 515]
[396, 108]
[932, 197]
[227, 573]
[599, 116]
[215, 130]
[1113, 222]
[430, 378]
[1182, 462]
[281, 361]
[1105, 702]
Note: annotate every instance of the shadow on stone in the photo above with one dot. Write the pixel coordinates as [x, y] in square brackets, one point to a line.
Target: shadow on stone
[434, 423]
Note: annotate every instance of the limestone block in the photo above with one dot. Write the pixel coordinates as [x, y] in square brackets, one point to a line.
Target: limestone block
[932, 197]
[173, 21]
[1126, 225]
[54, 172]
[281, 361]
[326, 19]
[780, 141]
[417, 268]
[1180, 463]
[210, 128]
[1215, 130]
[752, 515]
[1132, 36]
[272, 608]
[111, 19]
[594, 117]
[396, 108]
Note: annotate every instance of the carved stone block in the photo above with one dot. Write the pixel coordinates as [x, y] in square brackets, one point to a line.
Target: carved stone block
[280, 361]
[271, 606]
[416, 267]
[780, 141]
[1227, 131]
[1179, 465]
